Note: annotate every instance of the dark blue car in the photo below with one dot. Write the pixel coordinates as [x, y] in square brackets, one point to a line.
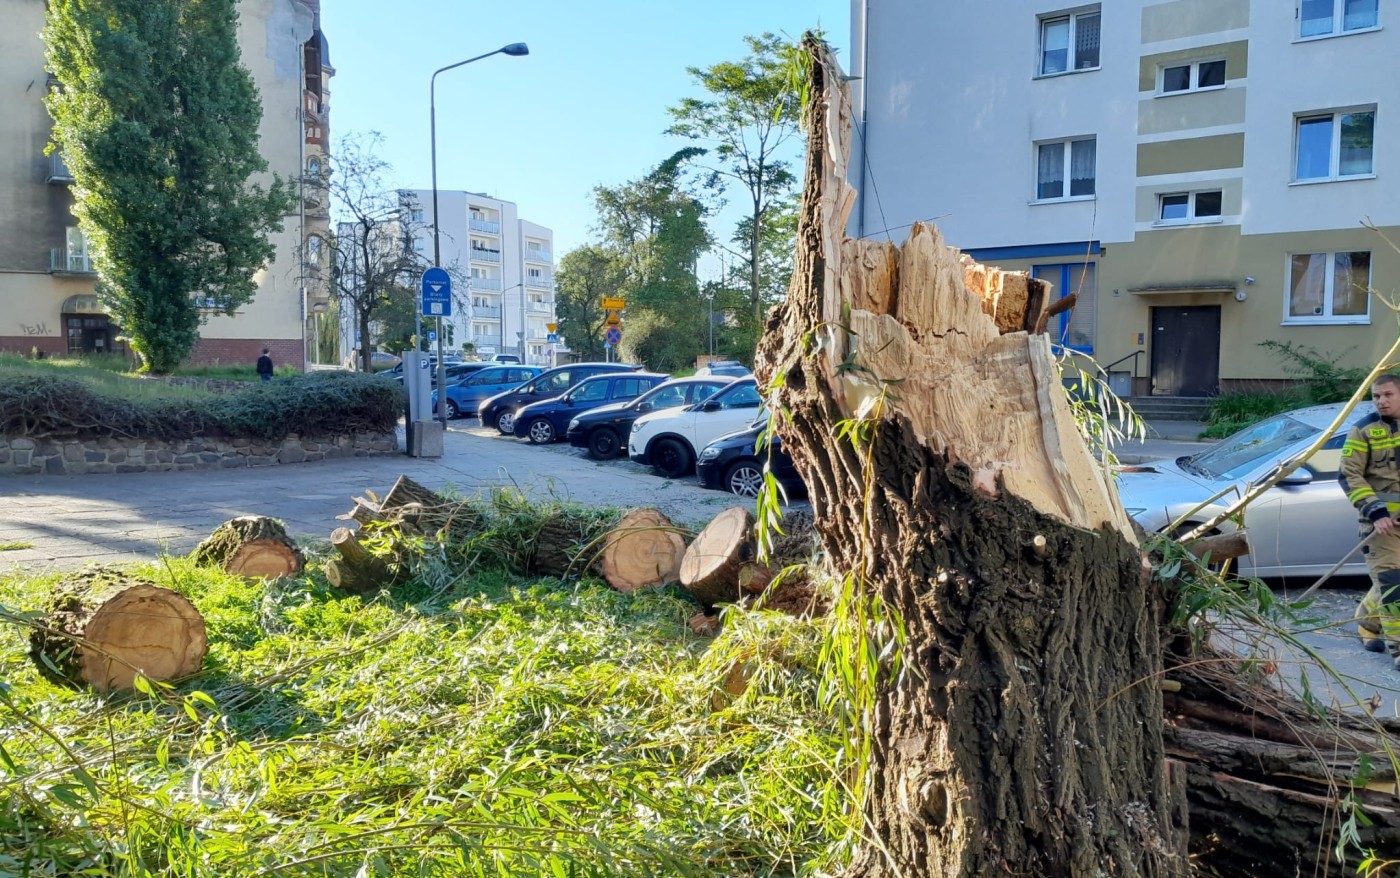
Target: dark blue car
[499, 411]
[544, 422]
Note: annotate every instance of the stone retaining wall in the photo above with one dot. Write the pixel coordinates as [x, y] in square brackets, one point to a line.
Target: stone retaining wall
[27, 457]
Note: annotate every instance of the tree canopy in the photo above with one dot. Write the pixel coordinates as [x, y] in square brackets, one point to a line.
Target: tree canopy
[158, 122]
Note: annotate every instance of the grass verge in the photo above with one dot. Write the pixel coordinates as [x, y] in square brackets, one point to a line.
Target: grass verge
[475, 722]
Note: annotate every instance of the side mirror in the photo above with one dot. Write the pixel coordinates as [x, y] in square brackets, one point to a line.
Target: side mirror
[711, 406]
[1300, 476]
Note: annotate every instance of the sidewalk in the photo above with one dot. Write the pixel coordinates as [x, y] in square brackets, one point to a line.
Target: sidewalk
[1165, 440]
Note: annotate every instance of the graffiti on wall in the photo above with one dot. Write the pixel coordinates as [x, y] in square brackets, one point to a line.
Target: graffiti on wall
[35, 329]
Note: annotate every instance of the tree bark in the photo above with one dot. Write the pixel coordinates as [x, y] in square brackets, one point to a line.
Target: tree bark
[101, 628]
[357, 569]
[1015, 740]
[252, 546]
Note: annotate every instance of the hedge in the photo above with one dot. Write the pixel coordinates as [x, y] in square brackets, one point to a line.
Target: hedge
[316, 404]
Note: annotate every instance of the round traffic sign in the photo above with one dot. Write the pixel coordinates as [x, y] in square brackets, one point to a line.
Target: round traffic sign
[614, 336]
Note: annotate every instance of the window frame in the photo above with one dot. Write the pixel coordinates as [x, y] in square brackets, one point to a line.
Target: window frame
[1067, 143]
[1071, 55]
[1328, 292]
[1338, 23]
[1195, 76]
[1190, 219]
[1334, 149]
[1063, 285]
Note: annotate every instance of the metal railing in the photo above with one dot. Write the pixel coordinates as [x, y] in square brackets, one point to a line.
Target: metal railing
[539, 256]
[481, 254]
[485, 226]
[487, 311]
[58, 170]
[486, 340]
[1133, 356]
[541, 307]
[75, 263]
[537, 335]
[486, 283]
[544, 283]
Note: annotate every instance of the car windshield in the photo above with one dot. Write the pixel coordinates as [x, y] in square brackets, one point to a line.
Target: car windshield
[1248, 449]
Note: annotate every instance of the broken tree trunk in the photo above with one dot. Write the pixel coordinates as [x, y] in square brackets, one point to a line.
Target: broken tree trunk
[644, 549]
[101, 628]
[251, 546]
[710, 569]
[357, 569]
[1015, 742]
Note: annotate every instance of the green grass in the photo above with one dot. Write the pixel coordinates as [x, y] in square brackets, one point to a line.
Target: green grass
[475, 722]
[1229, 413]
[110, 373]
[14, 547]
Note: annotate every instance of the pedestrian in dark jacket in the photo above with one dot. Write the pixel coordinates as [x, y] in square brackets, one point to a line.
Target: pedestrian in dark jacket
[265, 366]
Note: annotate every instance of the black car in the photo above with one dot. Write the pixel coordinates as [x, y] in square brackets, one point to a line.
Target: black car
[732, 463]
[499, 411]
[603, 431]
[545, 422]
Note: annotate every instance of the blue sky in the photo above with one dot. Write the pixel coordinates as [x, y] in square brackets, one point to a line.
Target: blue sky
[587, 106]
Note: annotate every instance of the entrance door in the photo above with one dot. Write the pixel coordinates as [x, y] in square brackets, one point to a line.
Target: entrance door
[1186, 351]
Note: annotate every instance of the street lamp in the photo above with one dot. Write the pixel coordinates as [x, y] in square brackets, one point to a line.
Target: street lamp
[514, 49]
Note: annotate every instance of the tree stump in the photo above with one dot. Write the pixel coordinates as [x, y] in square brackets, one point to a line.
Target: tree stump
[643, 550]
[711, 567]
[357, 569]
[101, 628]
[1017, 739]
[251, 546]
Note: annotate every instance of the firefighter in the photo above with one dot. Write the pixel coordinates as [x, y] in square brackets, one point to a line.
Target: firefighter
[1372, 484]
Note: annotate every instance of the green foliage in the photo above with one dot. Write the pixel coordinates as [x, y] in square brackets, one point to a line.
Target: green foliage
[158, 122]
[749, 114]
[316, 404]
[587, 274]
[474, 722]
[1321, 379]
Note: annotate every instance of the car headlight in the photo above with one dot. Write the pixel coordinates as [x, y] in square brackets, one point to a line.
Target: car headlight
[709, 453]
[572, 425]
[636, 426]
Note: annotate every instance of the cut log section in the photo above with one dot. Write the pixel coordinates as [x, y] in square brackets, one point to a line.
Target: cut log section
[357, 569]
[710, 569]
[101, 629]
[562, 537]
[643, 550]
[1221, 547]
[252, 546]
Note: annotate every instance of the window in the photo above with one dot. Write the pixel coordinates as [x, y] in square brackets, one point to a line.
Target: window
[1196, 76]
[663, 398]
[534, 272]
[1327, 462]
[704, 391]
[743, 397]
[1069, 43]
[313, 249]
[1333, 146]
[1072, 160]
[418, 244]
[1321, 18]
[313, 169]
[1077, 326]
[590, 391]
[630, 388]
[1329, 287]
[1189, 207]
[415, 216]
[78, 259]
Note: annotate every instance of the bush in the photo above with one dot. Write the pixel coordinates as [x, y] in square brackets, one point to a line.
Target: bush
[1321, 380]
[1232, 412]
[321, 403]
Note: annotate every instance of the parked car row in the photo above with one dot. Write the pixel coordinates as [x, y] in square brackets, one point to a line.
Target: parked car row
[709, 424]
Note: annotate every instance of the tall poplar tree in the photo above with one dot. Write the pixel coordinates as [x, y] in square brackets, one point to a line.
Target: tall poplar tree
[158, 122]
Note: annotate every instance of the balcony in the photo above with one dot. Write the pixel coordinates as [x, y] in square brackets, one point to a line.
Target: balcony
[486, 283]
[541, 282]
[540, 256]
[545, 307]
[63, 262]
[481, 254]
[484, 311]
[488, 341]
[537, 335]
[58, 171]
[485, 226]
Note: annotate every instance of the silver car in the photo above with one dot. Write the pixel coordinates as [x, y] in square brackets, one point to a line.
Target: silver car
[1300, 527]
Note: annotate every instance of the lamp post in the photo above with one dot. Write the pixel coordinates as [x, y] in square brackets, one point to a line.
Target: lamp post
[514, 49]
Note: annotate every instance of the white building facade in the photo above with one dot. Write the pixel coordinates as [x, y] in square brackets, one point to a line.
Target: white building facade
[503, 269]
[1197, 170]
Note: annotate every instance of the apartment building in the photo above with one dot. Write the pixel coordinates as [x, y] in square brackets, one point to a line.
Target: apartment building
[505, 299]
[47, 299]
[1198, 171]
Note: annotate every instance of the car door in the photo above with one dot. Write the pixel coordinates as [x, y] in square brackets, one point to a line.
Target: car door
[1302, 530]
[737, 408]
[487, 383]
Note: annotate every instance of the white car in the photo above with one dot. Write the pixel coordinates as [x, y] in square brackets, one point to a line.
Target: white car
[669, 440]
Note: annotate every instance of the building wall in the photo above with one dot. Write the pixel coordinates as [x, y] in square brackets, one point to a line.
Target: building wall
[950, 127]
[34, 214]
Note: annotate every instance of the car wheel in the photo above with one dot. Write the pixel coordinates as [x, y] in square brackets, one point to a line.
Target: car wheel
[744, 478]
[505, 423]
[602, 444]
[540, 431]
[670, 458]
[452, 411]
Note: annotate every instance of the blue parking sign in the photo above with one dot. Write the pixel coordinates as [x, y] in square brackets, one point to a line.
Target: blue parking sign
[437, 293]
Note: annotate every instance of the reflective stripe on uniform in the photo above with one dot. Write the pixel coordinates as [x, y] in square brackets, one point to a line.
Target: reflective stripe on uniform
[1360, 494]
